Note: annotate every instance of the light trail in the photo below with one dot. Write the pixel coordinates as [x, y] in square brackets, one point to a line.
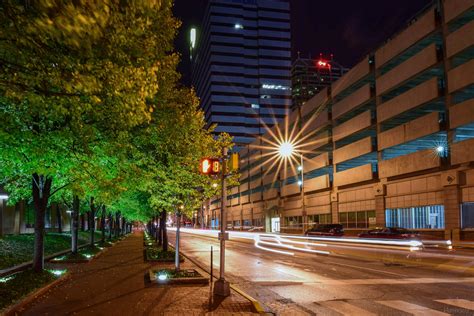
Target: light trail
[305, 244]
[280, 244]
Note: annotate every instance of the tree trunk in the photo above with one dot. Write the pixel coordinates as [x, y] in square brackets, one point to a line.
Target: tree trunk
[124, 225]
[117, 224]
[165, 232]
[160, 231]
[102, 223]
[41, 192]
[110, 225]
[92, 222]
[75, 224]
[83, 223]
[156, 222]
[59, 218]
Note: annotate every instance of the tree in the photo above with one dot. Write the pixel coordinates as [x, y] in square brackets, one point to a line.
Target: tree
[74, 74]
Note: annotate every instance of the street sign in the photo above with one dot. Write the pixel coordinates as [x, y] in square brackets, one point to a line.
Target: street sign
[209, 166]
[223, 236]
[234, 162]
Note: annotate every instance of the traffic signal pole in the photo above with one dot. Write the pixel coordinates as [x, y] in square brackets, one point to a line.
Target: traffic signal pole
[221, 286]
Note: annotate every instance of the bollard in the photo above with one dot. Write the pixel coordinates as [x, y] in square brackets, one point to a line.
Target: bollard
[211, 269]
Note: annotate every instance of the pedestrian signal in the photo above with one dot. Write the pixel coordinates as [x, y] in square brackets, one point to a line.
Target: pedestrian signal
[210, 166]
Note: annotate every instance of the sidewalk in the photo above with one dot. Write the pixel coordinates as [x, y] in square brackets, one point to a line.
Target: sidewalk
[117, 283]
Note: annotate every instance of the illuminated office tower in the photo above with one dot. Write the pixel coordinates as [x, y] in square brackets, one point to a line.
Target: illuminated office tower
[241, 65]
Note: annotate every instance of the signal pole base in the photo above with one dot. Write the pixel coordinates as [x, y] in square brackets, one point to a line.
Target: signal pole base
[222, 288]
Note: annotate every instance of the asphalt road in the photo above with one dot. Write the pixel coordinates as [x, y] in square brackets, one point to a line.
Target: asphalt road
[342, 283]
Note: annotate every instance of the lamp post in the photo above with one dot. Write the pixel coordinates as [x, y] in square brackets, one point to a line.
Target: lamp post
[222, 287]
[178, 224]
[286, 150]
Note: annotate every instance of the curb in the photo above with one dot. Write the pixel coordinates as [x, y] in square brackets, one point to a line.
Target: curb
[29, 298]
[258, 307]
[256, 304]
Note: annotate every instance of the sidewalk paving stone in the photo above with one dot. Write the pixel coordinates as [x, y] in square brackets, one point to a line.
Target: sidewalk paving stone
[117, 283]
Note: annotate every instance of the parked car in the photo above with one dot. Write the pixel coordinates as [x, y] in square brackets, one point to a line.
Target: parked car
[390, 233]
[326, 230]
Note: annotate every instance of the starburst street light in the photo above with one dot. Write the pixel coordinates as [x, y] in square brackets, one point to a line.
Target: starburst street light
[283, 147]
[286, 149]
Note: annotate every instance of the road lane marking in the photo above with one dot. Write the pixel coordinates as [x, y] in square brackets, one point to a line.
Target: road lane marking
[345, 308]
[413, 309]
[458, 303]
[392, 281]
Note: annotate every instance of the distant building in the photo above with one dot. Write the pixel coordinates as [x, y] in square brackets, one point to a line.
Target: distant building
[241, 65]
[392, 147]
[311, 75]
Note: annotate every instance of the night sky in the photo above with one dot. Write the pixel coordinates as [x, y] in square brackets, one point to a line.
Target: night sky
[348, 29]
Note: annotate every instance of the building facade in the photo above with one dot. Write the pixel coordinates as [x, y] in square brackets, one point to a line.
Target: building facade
[241, 65]
[393, 143]
[309, 76]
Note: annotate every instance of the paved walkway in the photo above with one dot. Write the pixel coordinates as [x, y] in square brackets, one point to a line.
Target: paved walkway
[116, 283]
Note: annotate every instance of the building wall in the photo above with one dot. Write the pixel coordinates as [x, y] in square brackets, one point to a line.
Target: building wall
[390, 142]
[242, 65]
[19, 218]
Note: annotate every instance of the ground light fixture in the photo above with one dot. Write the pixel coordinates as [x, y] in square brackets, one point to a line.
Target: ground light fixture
[57, 272]
[162, 277]
[6, 279]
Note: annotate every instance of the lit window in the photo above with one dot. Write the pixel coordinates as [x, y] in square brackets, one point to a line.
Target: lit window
[428, 217]
[255, 106]
[238, 26]
[274, 87]
[265, 96]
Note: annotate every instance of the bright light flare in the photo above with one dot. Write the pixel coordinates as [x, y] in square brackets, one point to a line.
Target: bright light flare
[286, 149]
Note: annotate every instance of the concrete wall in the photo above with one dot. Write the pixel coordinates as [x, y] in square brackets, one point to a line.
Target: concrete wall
[419, 94]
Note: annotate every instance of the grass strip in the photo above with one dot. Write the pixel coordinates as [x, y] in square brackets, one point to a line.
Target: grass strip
[15, 287]
[16, 249]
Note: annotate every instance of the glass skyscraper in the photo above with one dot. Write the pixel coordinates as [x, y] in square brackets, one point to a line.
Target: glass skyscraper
[241, 59]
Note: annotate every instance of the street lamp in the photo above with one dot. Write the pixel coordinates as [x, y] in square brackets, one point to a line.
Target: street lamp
[178, 224]
[221, 286]
[286, 150]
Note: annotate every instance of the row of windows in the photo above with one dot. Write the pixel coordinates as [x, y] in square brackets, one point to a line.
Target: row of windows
[422, 217]
[363, 219]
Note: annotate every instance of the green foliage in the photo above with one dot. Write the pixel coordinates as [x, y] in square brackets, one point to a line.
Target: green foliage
[89, 97]
[16, 249]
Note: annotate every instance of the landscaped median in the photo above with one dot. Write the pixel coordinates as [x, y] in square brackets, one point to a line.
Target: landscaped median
[84, 254]
[19, 288]
[18, 249]
[164, 273]
[155, 253]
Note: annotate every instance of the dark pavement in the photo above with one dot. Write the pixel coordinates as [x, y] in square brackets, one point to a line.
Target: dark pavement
[116, 284]
[337, 285]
